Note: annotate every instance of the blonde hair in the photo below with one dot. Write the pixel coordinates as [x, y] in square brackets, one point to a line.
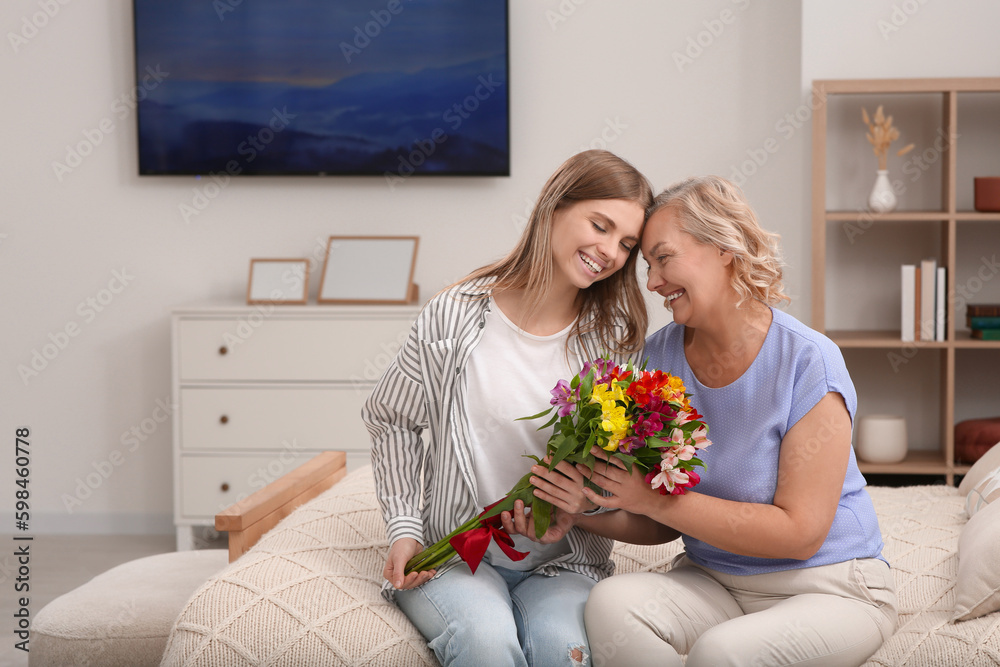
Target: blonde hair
[593, 174]
[715, 212]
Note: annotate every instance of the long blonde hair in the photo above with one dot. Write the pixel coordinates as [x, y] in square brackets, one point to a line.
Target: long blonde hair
[715, 211]
[593, 174]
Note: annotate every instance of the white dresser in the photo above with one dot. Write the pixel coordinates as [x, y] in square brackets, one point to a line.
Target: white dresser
[261, 389]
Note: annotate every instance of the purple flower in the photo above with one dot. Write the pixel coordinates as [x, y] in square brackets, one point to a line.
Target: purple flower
[604, 368]
[564, 397]
[630, 443]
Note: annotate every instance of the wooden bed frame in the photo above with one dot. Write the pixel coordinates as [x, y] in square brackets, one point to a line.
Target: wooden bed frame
[249, 519]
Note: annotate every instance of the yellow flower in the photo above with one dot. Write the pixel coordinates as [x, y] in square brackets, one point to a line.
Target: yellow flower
[615, 422]
[602, 393]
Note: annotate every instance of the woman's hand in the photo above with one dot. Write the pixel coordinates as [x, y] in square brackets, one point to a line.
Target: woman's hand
[562, 486]
[401, 551]
[629, 490]
[520, 522]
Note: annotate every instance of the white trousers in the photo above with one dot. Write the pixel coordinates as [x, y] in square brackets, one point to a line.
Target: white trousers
[824, 616]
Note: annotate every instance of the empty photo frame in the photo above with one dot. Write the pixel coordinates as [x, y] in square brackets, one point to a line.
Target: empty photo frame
[278, 281]
[369, 270]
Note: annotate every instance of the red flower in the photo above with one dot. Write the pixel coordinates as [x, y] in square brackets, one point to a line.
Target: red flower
[646, 386]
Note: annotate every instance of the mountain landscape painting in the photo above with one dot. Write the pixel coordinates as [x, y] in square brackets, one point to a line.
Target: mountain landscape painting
[346, 87]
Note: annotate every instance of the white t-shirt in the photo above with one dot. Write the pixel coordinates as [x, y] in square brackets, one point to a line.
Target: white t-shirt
[511, 374]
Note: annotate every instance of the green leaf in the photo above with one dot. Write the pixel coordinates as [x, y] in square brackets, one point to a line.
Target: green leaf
[550, 422]
[575, 382]
[542, 512]
[587, 386]
[567, 446]
[540, 414]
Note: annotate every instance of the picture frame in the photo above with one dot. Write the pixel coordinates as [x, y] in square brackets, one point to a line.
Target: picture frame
[369, 270]
[278, 281]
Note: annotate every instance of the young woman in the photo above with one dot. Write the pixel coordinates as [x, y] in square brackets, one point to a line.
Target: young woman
[782, 561]
[481, 354]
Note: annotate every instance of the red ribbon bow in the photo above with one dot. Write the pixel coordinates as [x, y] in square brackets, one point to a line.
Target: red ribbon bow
[471, 545]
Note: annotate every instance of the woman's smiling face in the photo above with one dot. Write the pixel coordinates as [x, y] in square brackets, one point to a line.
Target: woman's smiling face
[692, 277]
[592, 239]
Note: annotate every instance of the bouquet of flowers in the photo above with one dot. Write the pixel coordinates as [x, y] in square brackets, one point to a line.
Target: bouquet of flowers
[639, 417]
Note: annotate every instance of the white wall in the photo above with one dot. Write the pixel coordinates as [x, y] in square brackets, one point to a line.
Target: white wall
[901, 39]
[730, 110]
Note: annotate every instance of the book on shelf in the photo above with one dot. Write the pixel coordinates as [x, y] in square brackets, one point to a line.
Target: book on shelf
[982, 322]
[928, 275]
[986, 334]
[982, 310]
[908, 311]
[940, 299]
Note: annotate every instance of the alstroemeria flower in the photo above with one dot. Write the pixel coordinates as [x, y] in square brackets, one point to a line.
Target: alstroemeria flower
[564, 397]
[648, 424]
[684, 452]
[700, 437]
[667, 412]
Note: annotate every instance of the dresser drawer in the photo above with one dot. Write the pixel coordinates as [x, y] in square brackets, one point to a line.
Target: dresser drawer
[210, 484]
[265, 418]
[355, 350]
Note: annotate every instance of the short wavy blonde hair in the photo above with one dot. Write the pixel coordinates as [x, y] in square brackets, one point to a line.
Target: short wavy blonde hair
[715, 212]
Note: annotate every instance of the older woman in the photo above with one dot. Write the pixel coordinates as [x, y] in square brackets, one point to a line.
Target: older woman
[782, 562]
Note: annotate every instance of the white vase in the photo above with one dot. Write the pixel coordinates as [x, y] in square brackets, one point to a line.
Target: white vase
[882, 439]
[882, 199]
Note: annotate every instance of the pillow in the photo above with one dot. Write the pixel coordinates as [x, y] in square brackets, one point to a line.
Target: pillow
[981, 469]
[977, 590]
[985, 492]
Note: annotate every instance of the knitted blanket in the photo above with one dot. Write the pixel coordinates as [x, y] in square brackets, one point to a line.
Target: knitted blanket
[308, 592]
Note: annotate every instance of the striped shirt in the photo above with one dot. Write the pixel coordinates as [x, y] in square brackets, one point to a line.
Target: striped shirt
[423, 389]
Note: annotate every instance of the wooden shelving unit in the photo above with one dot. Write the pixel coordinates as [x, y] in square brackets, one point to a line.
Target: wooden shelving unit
[947, 219]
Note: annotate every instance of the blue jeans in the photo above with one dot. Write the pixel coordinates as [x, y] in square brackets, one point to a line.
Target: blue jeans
[500, 617]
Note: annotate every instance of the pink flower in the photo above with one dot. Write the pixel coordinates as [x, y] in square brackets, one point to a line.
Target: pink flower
[700, 437]
[684, 452]
[661, 407]
[564, 397]
[648, 424]
[681, 489]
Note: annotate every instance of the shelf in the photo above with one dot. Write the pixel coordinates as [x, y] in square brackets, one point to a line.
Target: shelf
[878, 339]
[961, 85]
[915, 463]
[964, 340]
[977, 216]
[895, 216]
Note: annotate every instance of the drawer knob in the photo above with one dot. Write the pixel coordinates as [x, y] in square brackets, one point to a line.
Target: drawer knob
[223, 419]
[223, 350]
[225, 486]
